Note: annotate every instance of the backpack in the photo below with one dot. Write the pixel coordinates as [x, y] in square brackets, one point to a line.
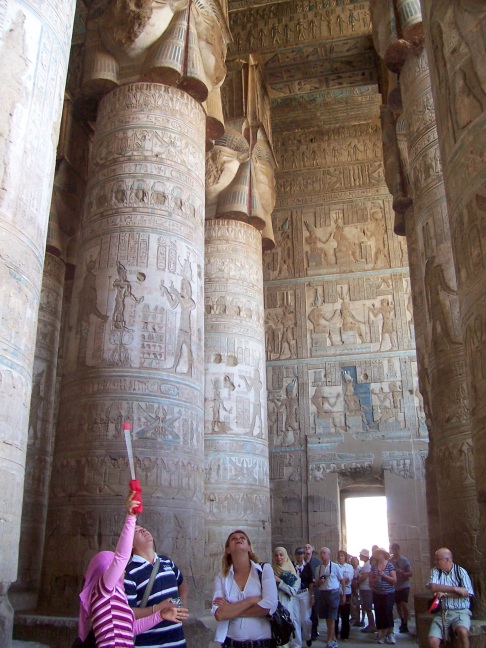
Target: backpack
[280, 621]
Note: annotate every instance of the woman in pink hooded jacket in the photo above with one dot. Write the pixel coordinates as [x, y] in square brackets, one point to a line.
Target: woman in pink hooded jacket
[103, 602]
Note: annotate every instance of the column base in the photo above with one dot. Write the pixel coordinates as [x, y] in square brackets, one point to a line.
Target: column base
[6, 617]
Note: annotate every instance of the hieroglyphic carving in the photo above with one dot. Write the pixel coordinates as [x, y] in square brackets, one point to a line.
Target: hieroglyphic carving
[400, 463]
[344, 463]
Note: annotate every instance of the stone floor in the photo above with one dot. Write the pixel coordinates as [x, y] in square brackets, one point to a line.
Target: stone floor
[357, 639]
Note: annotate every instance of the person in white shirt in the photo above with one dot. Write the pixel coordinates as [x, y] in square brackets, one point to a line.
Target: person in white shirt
[241, 602]
[365, 593]
[329, 578]
[345, 608]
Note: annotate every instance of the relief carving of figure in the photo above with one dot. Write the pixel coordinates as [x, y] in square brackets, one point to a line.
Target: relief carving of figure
[322, 401]
[184, 300]
[375, 231]
[346, 249]
[351, 322]
[287, 325]
[36, 401]
[435, 286]
[313, 240]
[88, 298]
[290, 404]
[352, 401]
[218, 424]
[123, 289]
[387, 312]
[255, 385]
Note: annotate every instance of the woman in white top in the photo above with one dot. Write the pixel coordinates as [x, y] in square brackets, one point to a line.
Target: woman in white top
[288, 585]
[345, 606]
[244, 594]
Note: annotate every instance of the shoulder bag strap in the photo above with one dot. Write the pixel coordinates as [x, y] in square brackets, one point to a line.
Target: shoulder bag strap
[148, 589]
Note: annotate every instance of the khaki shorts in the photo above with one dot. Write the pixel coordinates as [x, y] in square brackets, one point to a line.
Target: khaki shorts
[453, 618]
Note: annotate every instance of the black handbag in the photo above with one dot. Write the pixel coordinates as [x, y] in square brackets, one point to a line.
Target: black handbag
[280, 621]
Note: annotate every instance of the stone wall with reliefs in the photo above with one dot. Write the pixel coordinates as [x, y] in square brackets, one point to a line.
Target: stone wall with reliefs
[344, 410]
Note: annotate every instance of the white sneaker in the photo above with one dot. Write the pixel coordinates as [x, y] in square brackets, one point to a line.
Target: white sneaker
[391, 639]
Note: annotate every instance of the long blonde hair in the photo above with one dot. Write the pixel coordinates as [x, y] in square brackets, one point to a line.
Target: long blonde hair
[228, 560]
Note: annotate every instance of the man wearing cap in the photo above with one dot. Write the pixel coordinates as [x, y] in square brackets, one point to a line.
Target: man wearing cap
[329, 578]
[452, 584]
[365, 593]
[402, 587]
[314, 563]
[305, 596]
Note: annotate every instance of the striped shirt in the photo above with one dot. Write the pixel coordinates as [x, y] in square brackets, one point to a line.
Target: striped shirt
[382, 586]
[457, 577]
[166, 585]
[111, 617]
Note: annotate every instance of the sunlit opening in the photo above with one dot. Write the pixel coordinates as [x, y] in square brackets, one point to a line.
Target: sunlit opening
[366, 523]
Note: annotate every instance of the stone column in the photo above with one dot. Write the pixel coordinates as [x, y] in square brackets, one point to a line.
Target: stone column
[135, 340]
[240, 196]
[65, 214]
[41, 432]
[455, 38]
[135, 349]
[35, 51]
[236, 441]
[439, 342]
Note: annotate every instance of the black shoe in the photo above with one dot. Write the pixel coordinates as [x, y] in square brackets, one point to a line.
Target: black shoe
[309, 642]
[403, 628]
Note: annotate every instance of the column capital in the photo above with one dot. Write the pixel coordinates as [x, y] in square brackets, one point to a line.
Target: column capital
[397, 31]
[175, 42]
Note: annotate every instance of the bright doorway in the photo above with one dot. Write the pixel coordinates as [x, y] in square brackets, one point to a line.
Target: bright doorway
[366, 523]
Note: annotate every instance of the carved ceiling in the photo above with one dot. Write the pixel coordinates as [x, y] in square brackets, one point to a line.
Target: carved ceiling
[308, 47]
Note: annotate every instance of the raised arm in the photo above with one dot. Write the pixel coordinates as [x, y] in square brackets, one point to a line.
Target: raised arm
[124, 546]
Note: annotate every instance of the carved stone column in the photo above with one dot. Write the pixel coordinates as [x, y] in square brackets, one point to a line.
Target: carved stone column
[135, 339]
[65, 214]
[445, 374]
[35, 51]
[456, 44]
[41, 432]
[240, 196]
[236, 442]
[439, 343]
[135, 348]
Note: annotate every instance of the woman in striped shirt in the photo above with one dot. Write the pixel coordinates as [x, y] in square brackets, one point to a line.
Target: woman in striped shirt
[103, 599]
